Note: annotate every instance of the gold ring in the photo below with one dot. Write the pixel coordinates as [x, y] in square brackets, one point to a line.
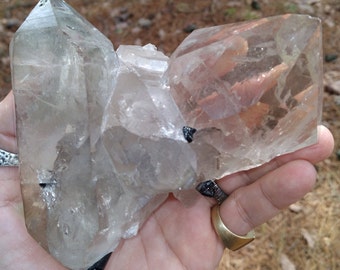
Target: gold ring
[230, 240]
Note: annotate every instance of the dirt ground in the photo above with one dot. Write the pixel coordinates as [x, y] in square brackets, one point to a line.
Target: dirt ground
[305, 236]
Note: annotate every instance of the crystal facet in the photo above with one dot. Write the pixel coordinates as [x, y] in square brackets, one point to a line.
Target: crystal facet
[105, 136]
[253, 90]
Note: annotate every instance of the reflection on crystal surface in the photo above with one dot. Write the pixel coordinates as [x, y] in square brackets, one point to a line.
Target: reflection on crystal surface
[112, 133]
[252, 90]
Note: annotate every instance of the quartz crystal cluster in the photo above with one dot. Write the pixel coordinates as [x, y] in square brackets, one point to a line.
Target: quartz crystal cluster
[104, 136]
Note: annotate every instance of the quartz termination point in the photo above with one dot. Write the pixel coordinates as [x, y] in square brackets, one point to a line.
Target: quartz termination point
[112, 133]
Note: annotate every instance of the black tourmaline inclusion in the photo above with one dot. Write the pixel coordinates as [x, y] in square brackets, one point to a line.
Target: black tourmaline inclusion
[188, 133]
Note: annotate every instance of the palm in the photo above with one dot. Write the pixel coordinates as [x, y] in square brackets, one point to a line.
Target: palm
[175, 236]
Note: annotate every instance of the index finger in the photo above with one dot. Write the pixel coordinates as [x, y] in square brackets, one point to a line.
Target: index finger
[313, 154]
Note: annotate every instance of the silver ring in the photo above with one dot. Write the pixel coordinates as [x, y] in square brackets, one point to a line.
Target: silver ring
[8, 159]
[210, 189]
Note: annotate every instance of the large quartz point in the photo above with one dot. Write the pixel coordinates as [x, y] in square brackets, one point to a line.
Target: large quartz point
[105, 136]
[252, 90]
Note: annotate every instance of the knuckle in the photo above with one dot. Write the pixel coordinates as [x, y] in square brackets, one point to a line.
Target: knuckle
[242, 210]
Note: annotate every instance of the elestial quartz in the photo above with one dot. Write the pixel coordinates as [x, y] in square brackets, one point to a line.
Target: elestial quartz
[105, 136]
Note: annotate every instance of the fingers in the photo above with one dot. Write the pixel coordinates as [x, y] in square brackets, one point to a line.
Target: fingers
[252, 205]
[9, 185]
[7, 124]
[312, 154]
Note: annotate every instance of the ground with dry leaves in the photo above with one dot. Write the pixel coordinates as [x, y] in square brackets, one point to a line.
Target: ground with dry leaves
[305, 236]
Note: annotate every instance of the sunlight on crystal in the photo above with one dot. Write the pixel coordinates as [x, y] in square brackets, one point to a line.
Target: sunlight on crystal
[105, 136]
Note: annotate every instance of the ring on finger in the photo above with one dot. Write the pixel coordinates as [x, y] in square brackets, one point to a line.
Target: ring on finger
[210, 189]
[230, 240]
[8, 159]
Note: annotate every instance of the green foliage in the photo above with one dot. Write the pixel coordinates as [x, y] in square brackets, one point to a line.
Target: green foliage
[250, 15]
[230, 12]
[291, 8]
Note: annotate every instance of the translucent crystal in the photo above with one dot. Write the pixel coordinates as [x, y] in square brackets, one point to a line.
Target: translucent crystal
[105, 136]
[253, 90]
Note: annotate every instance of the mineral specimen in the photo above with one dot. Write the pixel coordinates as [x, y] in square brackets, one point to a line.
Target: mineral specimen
[105, 136]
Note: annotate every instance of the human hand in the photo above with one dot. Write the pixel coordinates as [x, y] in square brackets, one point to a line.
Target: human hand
[175, 236]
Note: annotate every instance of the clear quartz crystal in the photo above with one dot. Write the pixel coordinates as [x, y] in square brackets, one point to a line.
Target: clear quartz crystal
[104, 136]
[253, 90]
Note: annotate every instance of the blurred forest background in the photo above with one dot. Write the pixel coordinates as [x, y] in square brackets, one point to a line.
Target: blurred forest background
[305, 236]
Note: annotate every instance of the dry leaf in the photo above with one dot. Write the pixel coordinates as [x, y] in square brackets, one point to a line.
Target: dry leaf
[296, 208]
[286, 263]
[310, 239]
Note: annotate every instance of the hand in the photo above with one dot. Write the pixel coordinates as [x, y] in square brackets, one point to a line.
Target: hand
[174, 237]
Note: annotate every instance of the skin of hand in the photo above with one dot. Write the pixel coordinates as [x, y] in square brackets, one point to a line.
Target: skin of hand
[174, 237]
